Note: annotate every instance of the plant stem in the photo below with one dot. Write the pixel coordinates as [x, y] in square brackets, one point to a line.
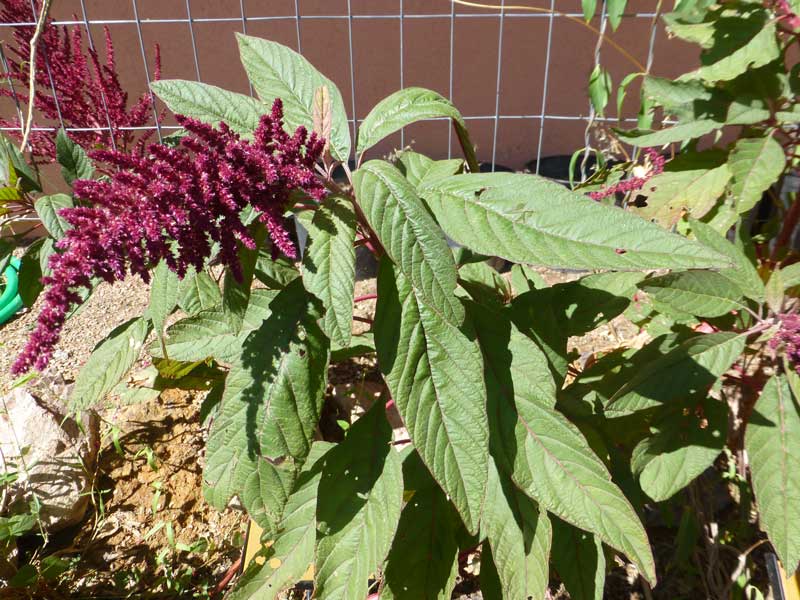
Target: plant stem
[789, 223]
[365, 298]
[32, 72]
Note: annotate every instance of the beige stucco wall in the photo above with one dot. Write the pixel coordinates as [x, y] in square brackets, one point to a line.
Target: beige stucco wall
[426, 58]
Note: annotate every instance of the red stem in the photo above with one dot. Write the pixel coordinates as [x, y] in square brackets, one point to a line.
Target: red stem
[362, 319]
[229, 574]
[789, 223]
[365, 298]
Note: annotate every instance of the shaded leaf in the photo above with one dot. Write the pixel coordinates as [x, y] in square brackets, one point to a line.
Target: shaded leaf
[109, 362]
[47, 208]
[698, 293]
[329, 265]
[198, 292]
[579, 561]
[756, 163]
[72, 158]
[358, 509]
[772, 438]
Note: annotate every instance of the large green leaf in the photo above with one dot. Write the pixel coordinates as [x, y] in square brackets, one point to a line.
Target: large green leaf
[691, 183]
[684, 372]
[772, 440]
[548, 457]
[698, 293]
[410, 236]
[236, 292]
[279, 72]
[433, 370]
[528, 219]
[288, 558]
[684, 443]
[329, 265]
[422, 563]
[360, 498]
[756, 163]
[790, 276]
[579, 561]
[72, 158]
[682, 132]
[405, 107]
[164, 288]
[519, 535]
[47, 208]
[749, 42]
[743, 273]
[210, 104]
[419, 169]
[209, 334]
[109, 362]
[269, 409]
[198, 292]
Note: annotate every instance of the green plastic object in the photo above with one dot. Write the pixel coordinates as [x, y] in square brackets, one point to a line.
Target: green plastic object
[10, 301]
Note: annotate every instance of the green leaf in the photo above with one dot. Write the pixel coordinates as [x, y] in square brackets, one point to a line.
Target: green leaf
[275, 273]
[279, 72]
[47, 208]
[163, 296]
[14, 167]
[528, 219]
[236, 294]
[419, 169]
[615, 10]
[692, 183]
[209, 333]
[698, 293]
[358, 509]
[269, 409]
[743, 273]
[294, 545]
[29, 283]
[547, 456]
[519, 535]
[750, 42]
[198, 292]
[684, 443]
[589, 7]
[677, 95]
[409, 235]
[600, 86]
[329, 265]
[689, 369]
[579, 561]
[425, 543]
[210, 104]
[524, 279]
[407, 106]
[72, 158]
[433, 371]
[108, 364]
[682, 132]
[790, 276]
[772, 441]
[756, 163]
[774, 291]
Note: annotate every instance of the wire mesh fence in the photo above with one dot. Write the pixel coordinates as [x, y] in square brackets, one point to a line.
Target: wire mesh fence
[518, 76]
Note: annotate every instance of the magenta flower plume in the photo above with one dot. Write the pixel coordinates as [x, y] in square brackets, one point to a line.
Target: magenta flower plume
[72, 86]
[788, 338]
[173, 204]
[633, 183]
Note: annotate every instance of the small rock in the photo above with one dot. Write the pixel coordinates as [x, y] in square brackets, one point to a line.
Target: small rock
[58, 452]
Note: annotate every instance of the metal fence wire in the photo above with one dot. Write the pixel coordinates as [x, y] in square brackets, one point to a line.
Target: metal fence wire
[519, 77]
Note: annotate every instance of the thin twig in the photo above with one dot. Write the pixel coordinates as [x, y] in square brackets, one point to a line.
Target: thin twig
[40, 25]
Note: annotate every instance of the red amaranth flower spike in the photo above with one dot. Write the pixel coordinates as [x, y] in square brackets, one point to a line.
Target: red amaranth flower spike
[633, 183]
[788, 338]
[88, 94]
[172, 204]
